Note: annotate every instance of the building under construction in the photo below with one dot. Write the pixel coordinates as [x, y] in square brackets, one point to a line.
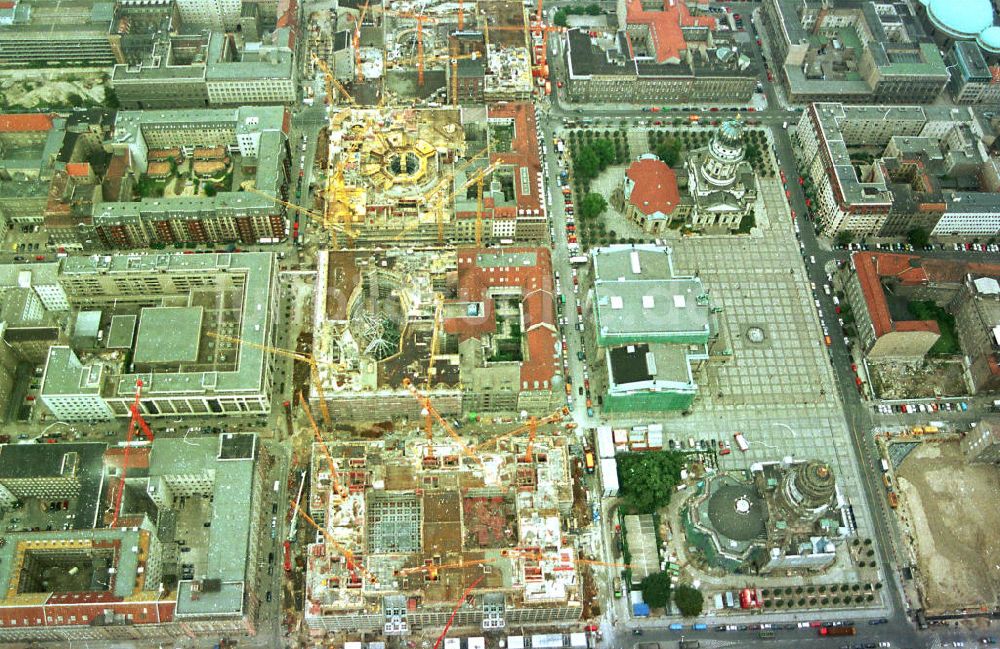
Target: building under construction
[435, 176]
[409, 527]
[376, 326]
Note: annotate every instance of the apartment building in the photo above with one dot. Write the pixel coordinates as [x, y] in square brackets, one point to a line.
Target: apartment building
[253, 137]
[857, 195]
[972, 81]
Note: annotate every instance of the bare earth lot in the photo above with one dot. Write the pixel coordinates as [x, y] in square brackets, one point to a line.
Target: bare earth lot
[951, 507]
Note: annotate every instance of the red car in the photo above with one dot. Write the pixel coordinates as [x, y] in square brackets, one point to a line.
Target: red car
[788, 194]
[769, 76]
[572, 239]
[783, 177]
[759, 43]
[802, 181]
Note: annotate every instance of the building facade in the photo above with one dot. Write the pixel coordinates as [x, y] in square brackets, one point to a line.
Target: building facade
[721, 183]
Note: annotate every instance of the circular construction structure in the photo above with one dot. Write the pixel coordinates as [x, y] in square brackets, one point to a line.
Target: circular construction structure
[377, 315]
[737, 512]
[809, 489]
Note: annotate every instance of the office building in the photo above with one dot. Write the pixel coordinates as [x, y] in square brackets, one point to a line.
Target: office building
[973, 81]
[163, 315]
[218, 15]
[661, 53]
[977, 323]
[982, 443]
[34, 33]
[854, 51]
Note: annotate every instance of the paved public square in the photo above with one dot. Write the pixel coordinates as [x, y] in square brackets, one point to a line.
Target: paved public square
[779, 392]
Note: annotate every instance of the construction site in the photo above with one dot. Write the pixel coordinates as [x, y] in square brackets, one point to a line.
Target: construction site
[433, 53]
[431, 516]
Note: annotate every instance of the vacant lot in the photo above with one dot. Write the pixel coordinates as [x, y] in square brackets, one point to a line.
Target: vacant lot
[951, 508]
[924, 379]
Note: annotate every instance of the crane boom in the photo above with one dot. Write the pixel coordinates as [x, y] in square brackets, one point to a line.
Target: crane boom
[337, 487]
[454, 611]
[298, 500]
[426, 404]
[352, 565]
[135, 418]
[305, 358]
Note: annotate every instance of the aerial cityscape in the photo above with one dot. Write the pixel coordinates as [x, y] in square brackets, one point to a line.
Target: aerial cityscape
[499, 324]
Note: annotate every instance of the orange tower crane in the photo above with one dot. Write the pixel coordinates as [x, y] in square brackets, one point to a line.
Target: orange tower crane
[339, 489]
[352, 565]
[134, 419]
[430, 414]
[531, 427]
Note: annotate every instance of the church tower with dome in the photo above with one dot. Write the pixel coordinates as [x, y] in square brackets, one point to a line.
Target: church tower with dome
[722, 184]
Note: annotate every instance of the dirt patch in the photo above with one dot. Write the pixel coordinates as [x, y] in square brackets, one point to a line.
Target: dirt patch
[923, 379]
[45, 89]
[950, 507]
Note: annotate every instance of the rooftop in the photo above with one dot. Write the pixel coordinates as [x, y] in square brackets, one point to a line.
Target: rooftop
[168, 335]
[653, 187]
[871, 268]
[639, 298]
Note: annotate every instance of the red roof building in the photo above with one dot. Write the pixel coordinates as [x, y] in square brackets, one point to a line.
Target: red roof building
[651, 188]
[520, 278]
[665, 27]
[880, 332]
[25, 122]
[524, 219]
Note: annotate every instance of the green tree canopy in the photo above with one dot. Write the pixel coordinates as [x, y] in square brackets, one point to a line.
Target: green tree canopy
[586, 164]
[689, 600]
[919, 237]
[560, 18]
[605, 151]
[593, 205]
[647, 479]
[656, 589]
[669, 150]
[844, 237]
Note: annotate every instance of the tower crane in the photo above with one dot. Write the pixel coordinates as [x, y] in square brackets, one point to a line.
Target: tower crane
[134, 419]
[331, 81]
[454, 611]
[531, 427]
[338, 488]
[432, 568]
[332, 228]
[305, 358]
[295, 508]
[352, 565]
[421, 19]
[430, 414]
[357, 42]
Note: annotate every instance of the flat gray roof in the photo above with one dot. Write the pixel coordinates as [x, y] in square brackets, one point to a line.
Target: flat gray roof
[254, 324]
[168, 334]
[637, 293]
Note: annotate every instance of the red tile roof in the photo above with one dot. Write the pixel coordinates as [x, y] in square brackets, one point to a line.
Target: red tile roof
[907, 270]
[78, 168]
[21, 122]
[7, 4]
[665, 26]
[537, 297]
[523, 154]
[655, 188]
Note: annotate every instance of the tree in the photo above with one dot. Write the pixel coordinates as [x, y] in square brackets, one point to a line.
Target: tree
[689, 600]
[918, 237]
[593, 205]
[605, 151]
[656, 589]
[559, 20]
[844, 237]
[586, 164]
[647, 479]
[669, 150]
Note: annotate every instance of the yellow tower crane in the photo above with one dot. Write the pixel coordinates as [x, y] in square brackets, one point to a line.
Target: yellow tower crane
[305, 358]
